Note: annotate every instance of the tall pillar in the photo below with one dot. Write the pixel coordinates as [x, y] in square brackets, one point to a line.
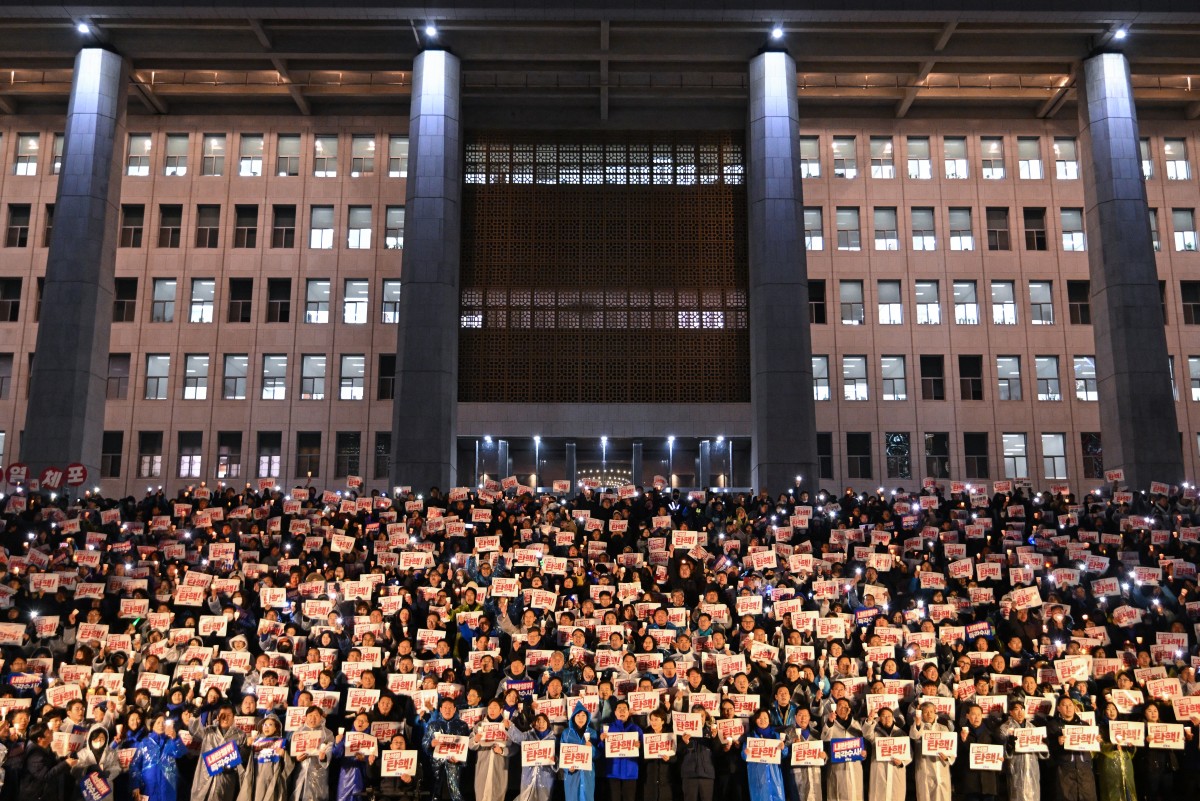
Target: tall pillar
[704, 474]
[64, 421]
[502, 467]
[425, 410]
[1137, 407]
[572, 468]
[783, 424]
[635, 466]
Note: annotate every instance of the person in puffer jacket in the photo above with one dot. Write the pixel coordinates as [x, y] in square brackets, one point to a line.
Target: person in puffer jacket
[580, 785]
[622, 772]
[95, 757]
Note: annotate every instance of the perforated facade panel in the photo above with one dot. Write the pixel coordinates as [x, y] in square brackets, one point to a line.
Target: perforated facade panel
[604, 269]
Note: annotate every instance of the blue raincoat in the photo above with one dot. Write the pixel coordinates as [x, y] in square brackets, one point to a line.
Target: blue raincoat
[765, 781]
[580, 785]
[352, 778]
[153, 772]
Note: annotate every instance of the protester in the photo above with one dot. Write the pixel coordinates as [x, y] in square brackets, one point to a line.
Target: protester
[245, 618]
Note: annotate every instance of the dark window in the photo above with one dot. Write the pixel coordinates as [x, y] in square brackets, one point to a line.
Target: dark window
[270, 453]
[898, 449]
[37, 304]
[387, 376]
[1079, 302]
[816, 303]
[348, 446]
[245, 231]
[1035, 229]
[111, 445]
[279, 300]
[1189, 294]
[858, 454]
[150, 454]
[6, 372]
[997, 228]
[970, 377]
[118, 376]
[10, 300]
[1162, 299]
[825, 454]
[48, 227]
[383, 454]
[283, 227]
[208, 226]
[229, 454]
[1091, 446]
[308, 453]
[241, 298]
[975, 449]
[124, 300]
[133, 221]
[933, 378]
[170, 225]
[18, 225]
[937, 454]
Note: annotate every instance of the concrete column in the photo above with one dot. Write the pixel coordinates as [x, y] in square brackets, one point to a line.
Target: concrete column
[635, 467]
[425, 416]
[704, 474]
[503, 469]
[64, 421]
[784, 425]
[572, 470]
[1137, 409]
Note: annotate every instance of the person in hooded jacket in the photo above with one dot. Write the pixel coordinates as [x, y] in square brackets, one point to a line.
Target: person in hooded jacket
[580, 785]
[491, 758]
[95, 757]
[845, 779]
[805, 780]
[219, 730]
[622, 772]
[264, 776]
[352, 768]
[765, 780]
[537, 781]
[153, 773]
[310, 780]
[447, 775]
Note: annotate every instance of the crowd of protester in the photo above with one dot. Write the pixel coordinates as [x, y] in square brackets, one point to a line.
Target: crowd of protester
[263, 644]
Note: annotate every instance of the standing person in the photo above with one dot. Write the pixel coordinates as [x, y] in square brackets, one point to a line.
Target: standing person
[491, 759]
[697, 766]
[1114, 763]
[1073, 776]
[45, 771]
[96, 757]
[976, 785]
[1155, 768]
[580, 785]
[537, 781]
[352, 769]
[622, 772]
[888, 776]
[933, 772]
[731, 769]
[656, 773]
[401, 788]
[310, 780]
[845, 779]
[806, 779]
[222, 786]
[265, 774]
[764, 780]
[1023, 771]
[447, 775]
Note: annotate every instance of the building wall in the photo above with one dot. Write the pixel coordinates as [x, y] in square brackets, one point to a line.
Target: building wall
[371, 416]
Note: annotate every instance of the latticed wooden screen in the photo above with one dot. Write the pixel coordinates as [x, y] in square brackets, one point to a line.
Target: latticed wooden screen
[604, 269]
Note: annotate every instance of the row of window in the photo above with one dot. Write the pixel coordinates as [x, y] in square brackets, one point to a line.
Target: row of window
[322, 228]
[992, 156]
[899, 458]
[923, 228]
[268, 457]
[214, 148]
[928, 302]
[315, 381]
[893, 377]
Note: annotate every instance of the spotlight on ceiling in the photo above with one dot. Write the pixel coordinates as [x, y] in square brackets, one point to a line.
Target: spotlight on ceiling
[777, 32]
[431, 31]
[1120, 34]
[83, 28]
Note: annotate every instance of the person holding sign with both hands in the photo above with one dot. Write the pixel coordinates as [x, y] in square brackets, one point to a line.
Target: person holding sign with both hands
[933, 769]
